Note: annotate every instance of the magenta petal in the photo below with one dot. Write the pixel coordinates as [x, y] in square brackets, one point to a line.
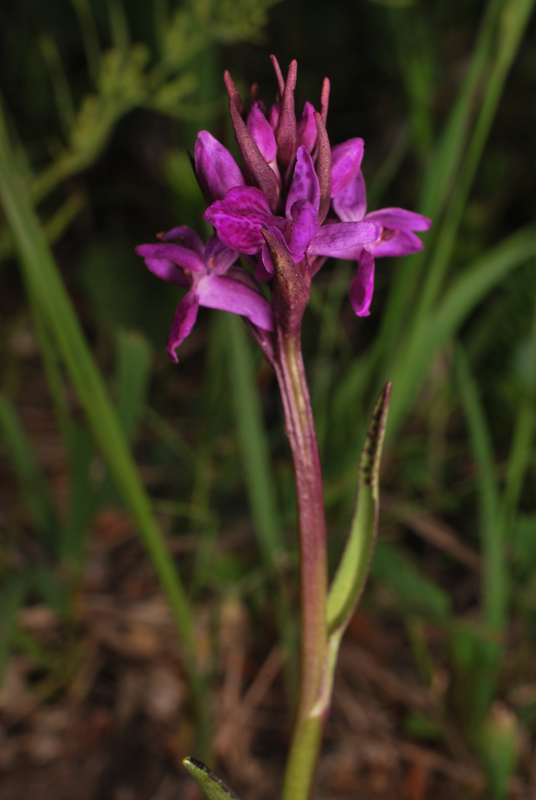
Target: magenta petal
[352, 254]
[305, 184]
[273, 116]
[238, 219]
[218, 257]
[306, 131]
[264, 266]
[362, 286]
[399, 219]
[167, 270]
[333, 238]
[216, 169]
[345, 163]
[262, 133]
[187, 259]
[304, 228]
[266, 270]
[351, 205]
[229, 295]
[396, 243]
[184, 236]
[183, 322]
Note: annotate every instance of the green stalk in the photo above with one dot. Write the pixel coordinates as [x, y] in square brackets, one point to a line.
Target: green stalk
[45, 287]
[301, 434]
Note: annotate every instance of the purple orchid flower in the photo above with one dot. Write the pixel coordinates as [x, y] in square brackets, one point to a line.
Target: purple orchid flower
[182, 258]
[396, 238]
[244, 213]
[277, 211]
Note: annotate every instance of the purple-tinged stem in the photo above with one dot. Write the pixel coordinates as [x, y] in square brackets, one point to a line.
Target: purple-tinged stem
[301, 434]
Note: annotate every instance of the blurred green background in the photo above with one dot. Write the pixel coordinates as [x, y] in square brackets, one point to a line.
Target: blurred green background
[101, 103]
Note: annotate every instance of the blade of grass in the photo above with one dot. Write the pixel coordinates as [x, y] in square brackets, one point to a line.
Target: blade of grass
[133, 372]
[487, 652]
[514, 20]
[438, 181]
[441, 325]
[42, 277]
[118, 27]
[11, 600]
[441, 175]
[253, 441]
[329, 312]
[494, 565]
[83, 502]
[36, 497]
[90, 36]
[413, 44]
[454, 166]
[523, 440]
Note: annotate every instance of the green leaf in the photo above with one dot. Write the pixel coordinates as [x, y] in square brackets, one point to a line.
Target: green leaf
[413, 594]
[47, 291]
[352, 572]
[212, 786]
[34, 490]
[499, 745]
[11, 600]
[133, 372]
[253, 439]
[446, 318]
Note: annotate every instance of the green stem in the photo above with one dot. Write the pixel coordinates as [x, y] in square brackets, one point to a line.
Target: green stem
[313, 584]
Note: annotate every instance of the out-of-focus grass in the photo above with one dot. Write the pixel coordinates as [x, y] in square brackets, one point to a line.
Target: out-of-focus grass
[442, 312]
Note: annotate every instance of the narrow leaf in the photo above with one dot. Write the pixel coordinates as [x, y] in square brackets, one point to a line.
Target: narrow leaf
[133, 373]
[35, 495]
[46, 287]
[11, 600]
[351, 575]
[213, 788]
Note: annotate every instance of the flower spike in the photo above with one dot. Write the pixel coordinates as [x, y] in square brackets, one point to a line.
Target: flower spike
[293, 203]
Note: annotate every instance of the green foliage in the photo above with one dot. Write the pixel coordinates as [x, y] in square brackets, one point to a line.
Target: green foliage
[453, 332]
[412, 592]
[349, 580]
[213, 788]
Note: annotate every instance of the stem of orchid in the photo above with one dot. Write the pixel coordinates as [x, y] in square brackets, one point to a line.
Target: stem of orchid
[313, 584]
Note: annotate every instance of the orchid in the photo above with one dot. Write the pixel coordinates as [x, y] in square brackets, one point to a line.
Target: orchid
[396, 238]
[294, 202]
[244, 213]
[208, 270]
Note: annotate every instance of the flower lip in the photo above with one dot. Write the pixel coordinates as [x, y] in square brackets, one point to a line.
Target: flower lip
[400, 219]
[182, 256]
[212, 280]
[346, 160]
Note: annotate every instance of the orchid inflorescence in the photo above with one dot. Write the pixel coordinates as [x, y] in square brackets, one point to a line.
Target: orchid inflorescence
[296, 202]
